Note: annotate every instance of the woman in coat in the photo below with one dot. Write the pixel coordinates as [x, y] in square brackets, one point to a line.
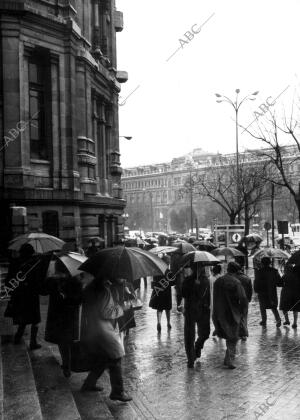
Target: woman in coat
[62, 325]
[266, 281]
[24, 306]
[161, 297]
[290, 294]
[100, 312]
[196, 294]
[230, 304]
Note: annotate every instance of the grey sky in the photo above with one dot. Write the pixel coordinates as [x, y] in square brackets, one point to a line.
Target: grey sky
[250, 44]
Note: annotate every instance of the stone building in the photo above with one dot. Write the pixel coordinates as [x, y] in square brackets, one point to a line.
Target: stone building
[59, 160]
[152, 193]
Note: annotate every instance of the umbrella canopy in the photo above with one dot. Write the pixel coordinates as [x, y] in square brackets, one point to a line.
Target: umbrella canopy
[41, 242]
[183, 247]
[227, 252]
[204, 245]
[254, 237]
[125, 263]
[271, 253]
[70, 260]
[163, 249]
[202, 257]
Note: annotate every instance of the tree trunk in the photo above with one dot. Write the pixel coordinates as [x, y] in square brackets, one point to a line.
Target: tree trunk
[232, 218]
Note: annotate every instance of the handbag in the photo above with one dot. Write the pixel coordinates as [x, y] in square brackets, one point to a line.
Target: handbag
[81, 359]
[136, 304]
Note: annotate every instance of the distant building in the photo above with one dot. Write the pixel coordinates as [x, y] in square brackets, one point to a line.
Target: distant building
[59, 157]
[152, 193]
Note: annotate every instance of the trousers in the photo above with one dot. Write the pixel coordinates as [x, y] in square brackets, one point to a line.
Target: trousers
[203, 331]
[115, 374]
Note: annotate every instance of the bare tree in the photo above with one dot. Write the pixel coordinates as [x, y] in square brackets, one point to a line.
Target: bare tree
[282, 152]
[219, 184]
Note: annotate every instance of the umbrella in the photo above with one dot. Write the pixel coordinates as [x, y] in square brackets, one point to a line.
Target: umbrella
[125, 263]
[200, 256]
[70, 260]
[163, 249]
[151, 240]
[227, 252]
[183, 247]
[254, 237]
[271, 253]
[40, 241]
[204, 245]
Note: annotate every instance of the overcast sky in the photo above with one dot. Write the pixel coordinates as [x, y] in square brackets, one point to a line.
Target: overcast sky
[171, 106]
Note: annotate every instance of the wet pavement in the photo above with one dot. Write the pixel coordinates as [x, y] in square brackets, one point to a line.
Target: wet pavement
[266, 383]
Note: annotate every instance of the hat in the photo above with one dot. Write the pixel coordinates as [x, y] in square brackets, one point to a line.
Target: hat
[233, 267]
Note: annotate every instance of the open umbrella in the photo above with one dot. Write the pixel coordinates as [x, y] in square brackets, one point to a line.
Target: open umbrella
[183, 247]
[273, 253]
[227, 252]
[204, 245]
[125, 263]
[163, 249]
[70, 261]
[254, 237]
[202, 257]
[41, 242]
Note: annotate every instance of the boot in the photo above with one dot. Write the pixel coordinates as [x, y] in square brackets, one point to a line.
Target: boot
[33, 343]
[19, 334]
[116, 380]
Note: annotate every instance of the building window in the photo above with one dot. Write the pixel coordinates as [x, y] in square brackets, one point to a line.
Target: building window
[39, 106]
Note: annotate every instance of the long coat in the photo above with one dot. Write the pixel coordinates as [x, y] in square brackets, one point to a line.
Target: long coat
[161, 297]
[99, 323]
[290, 293]
[24, 305]
[265, 283]
[247, 285]
[62, 323]
[230, 305]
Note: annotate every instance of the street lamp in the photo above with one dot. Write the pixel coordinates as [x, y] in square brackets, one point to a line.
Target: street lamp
[236, 105]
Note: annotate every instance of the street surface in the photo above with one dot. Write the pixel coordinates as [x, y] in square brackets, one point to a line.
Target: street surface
[265, 385]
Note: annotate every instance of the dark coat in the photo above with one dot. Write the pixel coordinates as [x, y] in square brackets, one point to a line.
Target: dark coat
[265, 283]
[197, 297]
[161, 296]
[246, 283]
[24, 305]
[65, 296]
[230, 305]
[290, 293]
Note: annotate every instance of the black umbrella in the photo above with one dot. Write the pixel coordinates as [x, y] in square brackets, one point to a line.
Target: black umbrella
[124, 263]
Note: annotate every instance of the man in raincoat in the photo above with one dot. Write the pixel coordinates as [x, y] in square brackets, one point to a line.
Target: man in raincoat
[229, 306]
[196, 294]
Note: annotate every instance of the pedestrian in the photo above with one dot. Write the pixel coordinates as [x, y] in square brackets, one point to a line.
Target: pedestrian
[161, 296]
[246, 282]
[196, 294]
[290, 294]
[100, 312]
[126, 296]
[175, 267]
[93, 248]
[62, 325]
[266, 281]
[216, 272]
[24, 305]
[230, 303]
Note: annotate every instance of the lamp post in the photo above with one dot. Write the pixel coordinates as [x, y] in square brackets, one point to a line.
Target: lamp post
[236, 104]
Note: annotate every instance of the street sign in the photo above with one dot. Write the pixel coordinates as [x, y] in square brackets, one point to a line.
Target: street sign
[283, 227]
[267, 226]
[236, 237]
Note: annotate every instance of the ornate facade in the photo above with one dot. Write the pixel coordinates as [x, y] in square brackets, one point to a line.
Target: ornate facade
[59, 158]
[152, 193]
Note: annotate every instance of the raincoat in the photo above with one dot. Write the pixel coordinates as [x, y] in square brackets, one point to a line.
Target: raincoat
[290, 293]
[99, 323]
[265, 283]
[229, 307]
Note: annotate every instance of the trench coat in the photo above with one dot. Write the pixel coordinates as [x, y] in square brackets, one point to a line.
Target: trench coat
[65, 296]
[197, 298]
[290, 293]
[265, 283]
[99, 327]
[229, 307]
[247, 285]
[24, 305]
